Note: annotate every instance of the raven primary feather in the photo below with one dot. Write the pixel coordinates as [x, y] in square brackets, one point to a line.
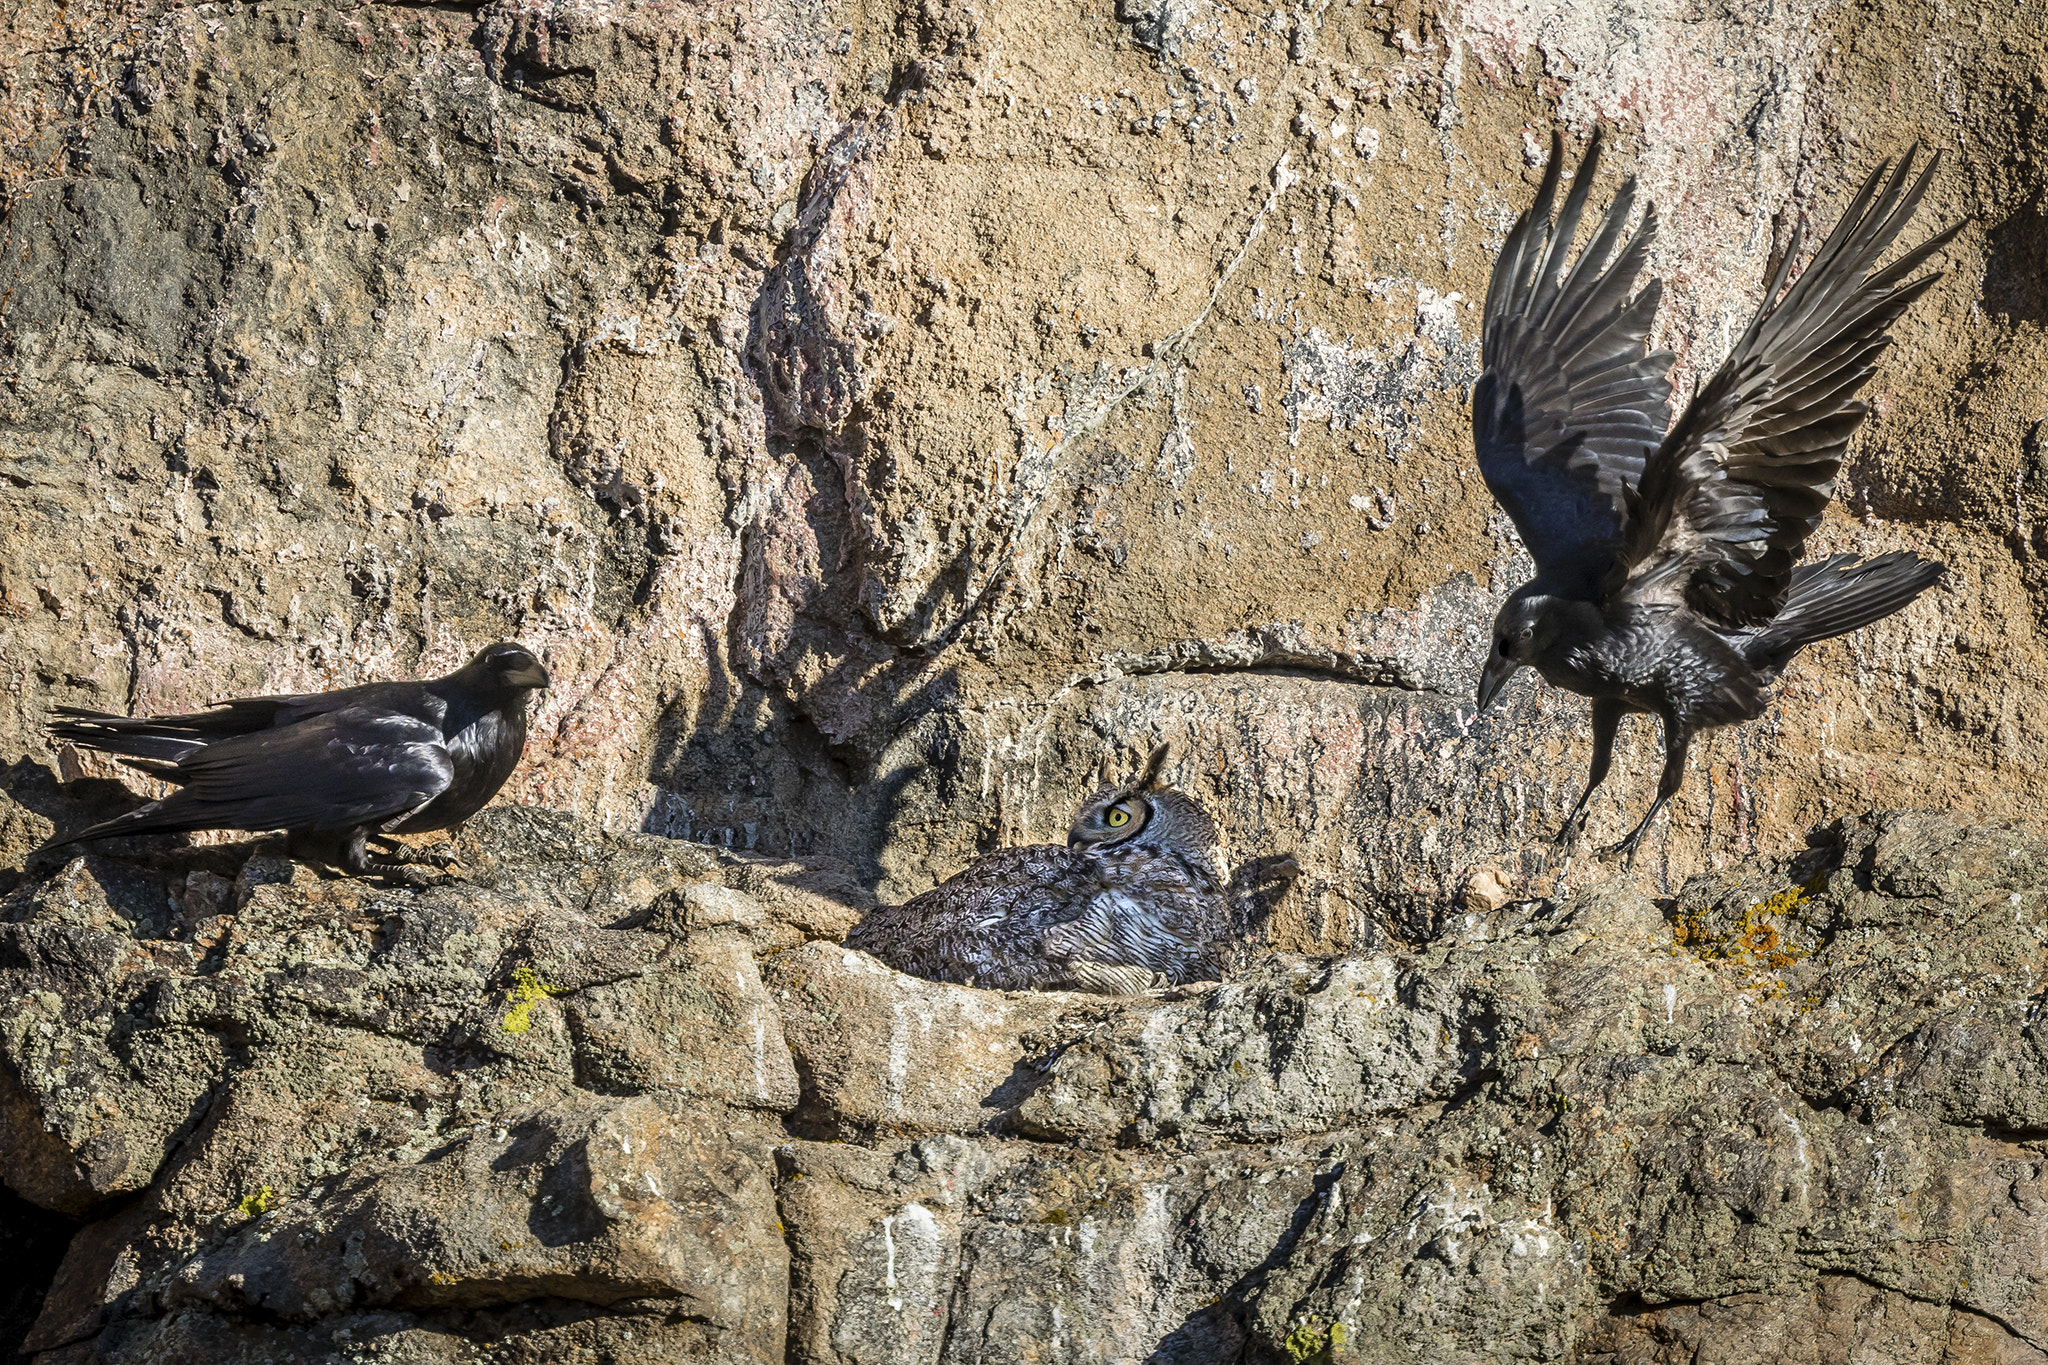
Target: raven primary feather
[395, 757]
[1667, 563]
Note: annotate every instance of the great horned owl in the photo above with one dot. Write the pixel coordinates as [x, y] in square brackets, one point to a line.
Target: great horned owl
[1139, 897]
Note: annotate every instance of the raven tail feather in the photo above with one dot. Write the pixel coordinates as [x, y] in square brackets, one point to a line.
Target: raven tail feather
[1836, 595]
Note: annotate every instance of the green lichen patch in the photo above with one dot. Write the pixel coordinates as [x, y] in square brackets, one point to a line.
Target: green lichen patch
[254, 1205]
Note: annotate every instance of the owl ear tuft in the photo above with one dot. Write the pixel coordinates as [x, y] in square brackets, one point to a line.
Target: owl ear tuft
[1105, 775]
[1148, 777]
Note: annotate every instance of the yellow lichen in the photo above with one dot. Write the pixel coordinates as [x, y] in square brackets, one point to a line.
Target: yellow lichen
[1310, 1343]
[1754, 941]
[257, 1203]
[527, 991]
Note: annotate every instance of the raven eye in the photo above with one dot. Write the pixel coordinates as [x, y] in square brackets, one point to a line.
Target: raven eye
[1527, 631]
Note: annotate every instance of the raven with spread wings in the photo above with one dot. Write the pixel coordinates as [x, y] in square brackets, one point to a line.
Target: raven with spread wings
[1668, 578]
[388, 757]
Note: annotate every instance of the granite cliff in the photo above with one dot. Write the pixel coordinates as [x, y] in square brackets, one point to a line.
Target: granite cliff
[875, 413]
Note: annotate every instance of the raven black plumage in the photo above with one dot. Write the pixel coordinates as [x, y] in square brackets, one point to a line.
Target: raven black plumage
[397, 757]
[1667, 578]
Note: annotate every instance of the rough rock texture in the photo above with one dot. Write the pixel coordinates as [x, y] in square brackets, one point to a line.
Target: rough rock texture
[875, 414]
[616, 1097]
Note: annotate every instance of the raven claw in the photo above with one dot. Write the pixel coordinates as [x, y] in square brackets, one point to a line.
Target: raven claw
[401, 855]
[1573, 830]
[413, 875]
[1625, 850]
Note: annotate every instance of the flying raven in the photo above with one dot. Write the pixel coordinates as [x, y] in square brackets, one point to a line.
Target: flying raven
[387, 757]
[1667, 574]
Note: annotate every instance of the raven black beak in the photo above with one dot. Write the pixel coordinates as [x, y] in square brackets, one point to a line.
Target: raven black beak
[1499, 668]
[536, 676]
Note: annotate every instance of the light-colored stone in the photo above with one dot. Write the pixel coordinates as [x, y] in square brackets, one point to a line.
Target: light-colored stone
[878, 1049]
[875, 1246]
[600, 1203]
[701, 1025]
[457, 1110]
[1299, 1048]
[1484, 892]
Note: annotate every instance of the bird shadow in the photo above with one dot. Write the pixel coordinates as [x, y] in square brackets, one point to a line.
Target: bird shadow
[143, 877]
[746, 771]
[1256, 889]
[2015, 279]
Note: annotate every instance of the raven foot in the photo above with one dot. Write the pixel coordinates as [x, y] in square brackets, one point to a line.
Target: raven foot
[441, 855]
[404, 865]
[1565, 844]
[412, 874]
[1625, 850]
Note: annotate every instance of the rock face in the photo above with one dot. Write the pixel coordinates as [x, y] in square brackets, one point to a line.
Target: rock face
[616, 1097]
[875, 416]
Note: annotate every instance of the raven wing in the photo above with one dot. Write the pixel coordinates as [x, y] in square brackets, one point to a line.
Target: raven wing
[344, 769]
[1727, 502]
[1572, 400]
[161, 742]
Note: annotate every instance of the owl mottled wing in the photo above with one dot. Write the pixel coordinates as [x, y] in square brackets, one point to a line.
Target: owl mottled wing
[1572, 400]
[1044, 917]
[984, 927]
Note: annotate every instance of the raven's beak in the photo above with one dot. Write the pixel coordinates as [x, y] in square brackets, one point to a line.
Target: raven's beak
[1499, 668]
[535, 676]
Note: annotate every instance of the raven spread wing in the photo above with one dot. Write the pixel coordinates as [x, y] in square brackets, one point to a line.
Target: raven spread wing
[1572, 400]
[340, 770]
[1727, 502]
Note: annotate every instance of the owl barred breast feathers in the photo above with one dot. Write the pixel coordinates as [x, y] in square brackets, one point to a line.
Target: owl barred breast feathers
[1139, 897]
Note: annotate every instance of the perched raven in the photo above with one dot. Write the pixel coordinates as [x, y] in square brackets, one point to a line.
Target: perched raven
[392, 757]
[1667, 578]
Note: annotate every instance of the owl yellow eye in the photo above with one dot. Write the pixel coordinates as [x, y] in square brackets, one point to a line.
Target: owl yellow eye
[1118, 817]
